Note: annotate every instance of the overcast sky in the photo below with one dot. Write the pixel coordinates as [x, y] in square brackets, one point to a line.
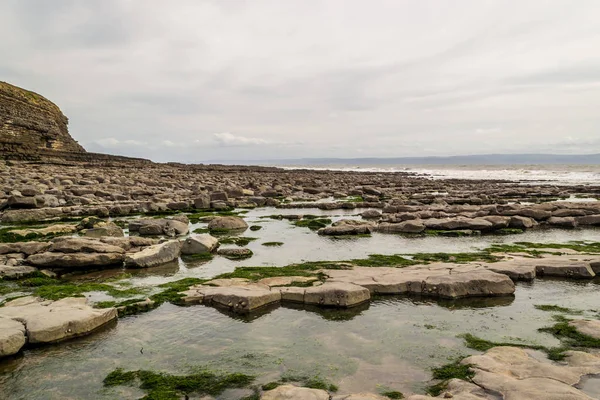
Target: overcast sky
[192, 80]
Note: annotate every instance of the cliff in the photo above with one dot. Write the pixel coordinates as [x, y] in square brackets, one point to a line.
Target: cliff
[30, 124]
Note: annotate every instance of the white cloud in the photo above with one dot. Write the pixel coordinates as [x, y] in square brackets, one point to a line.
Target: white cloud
[228, 139]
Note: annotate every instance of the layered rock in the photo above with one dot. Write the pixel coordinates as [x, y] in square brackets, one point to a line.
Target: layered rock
[30, 122]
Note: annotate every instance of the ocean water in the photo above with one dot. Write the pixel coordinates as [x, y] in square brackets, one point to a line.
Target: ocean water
[556, 174]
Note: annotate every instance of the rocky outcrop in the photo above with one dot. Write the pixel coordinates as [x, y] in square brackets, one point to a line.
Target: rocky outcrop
[30, 122]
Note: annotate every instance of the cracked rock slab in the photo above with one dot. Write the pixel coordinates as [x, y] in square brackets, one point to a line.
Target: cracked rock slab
[53, 321]
[435, 280]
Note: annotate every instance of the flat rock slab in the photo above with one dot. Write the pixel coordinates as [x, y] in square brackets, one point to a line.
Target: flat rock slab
[243, 296]
[286, 280]
[75, 260]
[443, 280]
[360, 396]
[290, 392]
[336, 294]
[239, 299]
[27, 248]
[12, 336]
[566, 266]
[48, 321]
[587, 327]
[154, 255]
[516, 374]
[83, 245]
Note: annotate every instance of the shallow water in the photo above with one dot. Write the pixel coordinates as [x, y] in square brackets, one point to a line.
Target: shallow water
[302, 244]
[390, 343]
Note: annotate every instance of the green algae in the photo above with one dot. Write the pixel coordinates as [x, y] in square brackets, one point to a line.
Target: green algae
[559, 309]
[163, 386]
[314, 382]
[238, 240]
[454, 370]
[272, 244]
[255, 228]
[477, 343]
[172, 290]
[313, 223]
[569, 335]
[393, 394]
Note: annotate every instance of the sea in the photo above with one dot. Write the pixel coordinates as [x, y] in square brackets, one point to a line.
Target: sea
[553, 174]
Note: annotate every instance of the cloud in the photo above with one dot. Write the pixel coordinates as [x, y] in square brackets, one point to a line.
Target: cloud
[152, 79]
[228, 139]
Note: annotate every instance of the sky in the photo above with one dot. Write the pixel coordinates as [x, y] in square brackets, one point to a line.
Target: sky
[194, 81]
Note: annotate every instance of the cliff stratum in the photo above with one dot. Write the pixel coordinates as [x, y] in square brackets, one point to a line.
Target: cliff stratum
[30, 123]
[32, 128]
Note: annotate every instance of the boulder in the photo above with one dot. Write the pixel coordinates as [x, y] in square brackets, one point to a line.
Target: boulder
[589, 220]
[48, 321]
[368, 214]
[199, 244]
[520, 222]
[235, 253]
[345, 229]
[154, 255]
[227, 223]
[563, 222]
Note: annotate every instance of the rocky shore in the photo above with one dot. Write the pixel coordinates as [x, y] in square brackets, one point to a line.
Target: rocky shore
[74, 217]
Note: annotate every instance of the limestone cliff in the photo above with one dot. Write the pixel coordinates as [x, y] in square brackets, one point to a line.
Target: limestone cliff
[30, 124]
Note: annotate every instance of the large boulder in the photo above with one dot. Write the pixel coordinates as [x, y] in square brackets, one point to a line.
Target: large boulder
[199, 244]
[154, 255]
[227, 223]
[48, 321]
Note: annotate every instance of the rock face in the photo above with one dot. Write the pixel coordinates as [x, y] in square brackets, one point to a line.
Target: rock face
[30, 123]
